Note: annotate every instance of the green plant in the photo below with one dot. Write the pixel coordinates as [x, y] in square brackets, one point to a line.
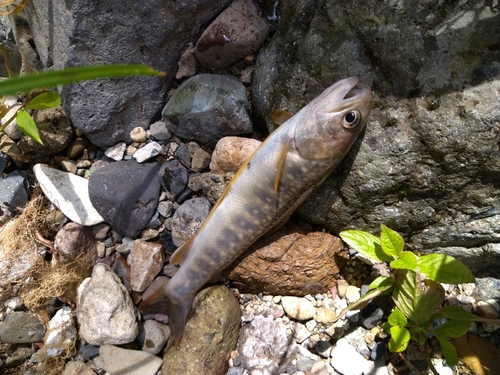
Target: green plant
[51, 99]
[416, 291]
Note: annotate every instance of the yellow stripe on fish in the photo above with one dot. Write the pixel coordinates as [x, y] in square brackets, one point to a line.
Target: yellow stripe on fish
[266, 190]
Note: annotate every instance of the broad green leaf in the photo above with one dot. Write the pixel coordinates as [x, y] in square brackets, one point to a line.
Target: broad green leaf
[382, 283]
[453, 328]
[45, 100]
[72, 75]
[454, 312]
[28, 126]
[407, 260]
[417, 300]
[392, 243]
[397, 318]
[365, 243]
[449, 351]
[445, 269]
[400, 337]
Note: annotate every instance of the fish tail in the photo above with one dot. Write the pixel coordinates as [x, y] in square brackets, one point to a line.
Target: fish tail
[178, 309]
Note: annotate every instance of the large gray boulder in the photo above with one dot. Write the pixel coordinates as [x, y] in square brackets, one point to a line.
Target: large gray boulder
[428, 164]
[86, 32]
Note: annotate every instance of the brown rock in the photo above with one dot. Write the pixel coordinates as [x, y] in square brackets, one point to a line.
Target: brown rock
[293, 261]
[236, 33]
[74, 239]
[146, 261]
[478, 353]
[231, 152]
[211, 333]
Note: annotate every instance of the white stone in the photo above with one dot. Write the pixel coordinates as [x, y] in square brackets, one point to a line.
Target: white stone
[346, 360]
[298, 308]
[121, 361]
[147, 152]
[70, 193]
[117, 151]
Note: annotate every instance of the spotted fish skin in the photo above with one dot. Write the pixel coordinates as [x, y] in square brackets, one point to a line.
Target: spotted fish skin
[266, 190]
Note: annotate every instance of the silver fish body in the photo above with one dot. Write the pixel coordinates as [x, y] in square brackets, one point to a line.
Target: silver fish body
[266, 190]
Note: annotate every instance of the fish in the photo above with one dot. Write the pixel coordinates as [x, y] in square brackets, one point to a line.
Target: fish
[281, 173]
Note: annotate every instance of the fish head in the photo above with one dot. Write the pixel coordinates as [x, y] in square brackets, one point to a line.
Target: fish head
[331, 123]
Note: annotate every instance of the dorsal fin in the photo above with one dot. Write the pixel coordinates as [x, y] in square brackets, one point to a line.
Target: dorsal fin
[280, 161]
[182, 252]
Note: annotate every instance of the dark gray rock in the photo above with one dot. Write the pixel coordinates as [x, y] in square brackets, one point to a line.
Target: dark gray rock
[374, 319]
[21, 328]
[4, 159]
[207, 107]
[428, 164]
[76, 33]
[13, 189]
[188, 218]
[182, 153]
[126, 195]
[174, 177]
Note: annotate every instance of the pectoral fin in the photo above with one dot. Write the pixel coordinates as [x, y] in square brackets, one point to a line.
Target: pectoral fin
[280, 116]
[280, 161]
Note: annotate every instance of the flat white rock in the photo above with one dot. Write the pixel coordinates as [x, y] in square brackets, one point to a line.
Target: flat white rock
[117, 360]
[69, 192]
[347, 361]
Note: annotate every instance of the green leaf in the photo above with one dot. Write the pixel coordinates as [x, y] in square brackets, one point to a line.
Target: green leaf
[392, 243]
[454, 312]
[45, 100]
[72, 75]
[382, 283]
[407, 260]
[400, 337]
[449, 351]
[445, 269]
[417, 300]
[397, 318]
[365, 243]
[28, 126]
[453, 328]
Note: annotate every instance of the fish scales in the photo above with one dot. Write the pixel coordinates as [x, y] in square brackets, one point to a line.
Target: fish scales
[280, 174]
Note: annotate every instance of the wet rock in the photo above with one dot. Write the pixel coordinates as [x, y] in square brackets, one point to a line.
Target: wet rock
[121, 361]
[346, 360]
[73, 240]
[298, 308]
[55, 130]
[13, 189]
[77, 147]
[61, 335]
[147, 152]
[77, 368]
[105, 311]
[236, 33]
[153, 336]
[117, 106]
[21, 328]
[265, 346]
[174, 176]
[159, 131]
[188, 218]
[213, 330]
[292, 261]
[231, 152]
[116, 152]
[126, 194]
[146, 261]
[200, 160]
[208, 107]
[70, 193]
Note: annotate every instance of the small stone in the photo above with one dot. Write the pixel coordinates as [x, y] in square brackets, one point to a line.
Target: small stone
[298, 308]
[70, 193]
[68, 166]
[188, 218]
[138, 134]
[182, 153]
[76, 148]
[165, 208]
[21, 328]
[74, 239]
[100, 231]
[61, 335]
[323, 348]
[374, 319]
[488, 309]
[231, 152]
[152, 337]
[117, 360]
[324, 315]
[301, 332]
[146, 261]
[346, 360]
[174, 177]
[159, 131]
[147, 152]
[188, 66]
[13, 189]
[342, 288]
[319, 368]
[200, 160]
[117, 151]
[352, 293]
[77, 368]
[311, 324]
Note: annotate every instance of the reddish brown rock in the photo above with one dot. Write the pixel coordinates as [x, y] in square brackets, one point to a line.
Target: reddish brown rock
[74, 239]
[293, 261]
[146, 261]
[237, 32]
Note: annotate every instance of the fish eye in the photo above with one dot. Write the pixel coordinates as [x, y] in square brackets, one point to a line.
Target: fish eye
[351, 119]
